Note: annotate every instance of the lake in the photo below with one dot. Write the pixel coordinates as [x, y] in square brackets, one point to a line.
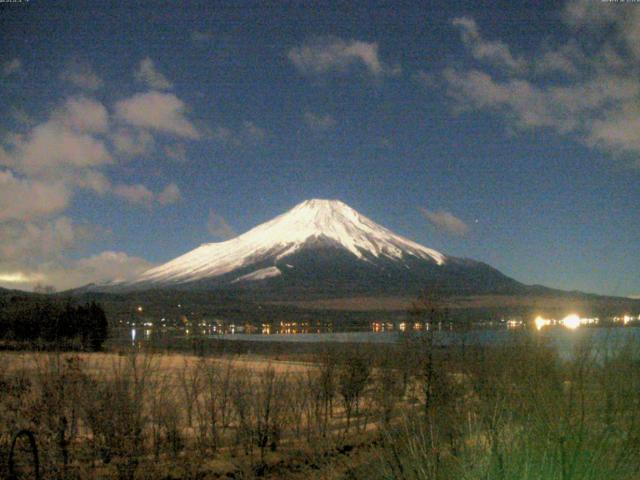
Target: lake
[563, 339]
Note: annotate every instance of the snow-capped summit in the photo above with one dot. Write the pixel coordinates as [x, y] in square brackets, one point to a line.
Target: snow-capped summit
[312, 223]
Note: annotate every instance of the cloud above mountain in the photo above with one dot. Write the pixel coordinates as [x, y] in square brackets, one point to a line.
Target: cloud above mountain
[325, 54]
[218, 227]
[162, 112]
[446, 222]
[148, 74]
[587, 91]
[81, 75]
[74, 150]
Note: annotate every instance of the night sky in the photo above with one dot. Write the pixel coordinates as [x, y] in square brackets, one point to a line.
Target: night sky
[507, 132]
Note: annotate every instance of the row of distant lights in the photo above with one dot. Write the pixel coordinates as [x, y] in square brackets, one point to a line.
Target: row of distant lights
[573, 321]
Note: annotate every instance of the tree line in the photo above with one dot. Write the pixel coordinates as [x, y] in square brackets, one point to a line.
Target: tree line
[28, 322]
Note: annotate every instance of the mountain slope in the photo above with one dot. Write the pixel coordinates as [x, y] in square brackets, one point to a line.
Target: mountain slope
[311, 223]
[323, 247]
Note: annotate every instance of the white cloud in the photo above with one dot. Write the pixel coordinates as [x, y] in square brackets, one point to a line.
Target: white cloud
[103, 267]
[446, 221]
[140, 194]
[29, 244]
[475, 89]
[493, 52]
[159, 111]
[63, 145]
[565, 59]
[50, 147]
[25, 199]
[319, 122]
[46, 165]
[83, 114]
[137, 193]
[325, 54]
[10, 67]
[587, 16]
[149, 75]
[132, 143]
[170, 194]
[618, 131]
[81, 75]
[589, 91]
[218, 226]
[45, 162]
[94, 180]
[596, 111]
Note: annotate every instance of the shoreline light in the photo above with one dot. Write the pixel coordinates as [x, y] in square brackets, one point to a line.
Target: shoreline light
[572, 321]
[541, 322]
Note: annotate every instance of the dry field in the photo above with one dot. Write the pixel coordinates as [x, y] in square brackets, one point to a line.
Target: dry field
[167, 364]
[411, 411]
[109, 415]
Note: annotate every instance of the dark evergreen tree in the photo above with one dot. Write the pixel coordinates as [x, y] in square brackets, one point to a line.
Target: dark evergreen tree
[28, 320]
[100, 326]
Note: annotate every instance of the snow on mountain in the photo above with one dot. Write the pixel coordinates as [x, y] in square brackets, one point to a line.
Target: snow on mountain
[259, 275]
[311, 222]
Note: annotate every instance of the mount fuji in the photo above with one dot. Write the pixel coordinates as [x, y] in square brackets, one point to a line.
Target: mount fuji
[322, 248]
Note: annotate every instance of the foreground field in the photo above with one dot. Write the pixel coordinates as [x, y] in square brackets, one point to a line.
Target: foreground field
[170, 365]
[411, 410]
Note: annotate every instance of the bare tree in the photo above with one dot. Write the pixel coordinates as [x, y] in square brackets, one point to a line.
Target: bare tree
[241, 401]
[215, 405]
[353, 375]
[58, 379]
[190, 383]
[388, 388]
[113, 408]
[268, 409]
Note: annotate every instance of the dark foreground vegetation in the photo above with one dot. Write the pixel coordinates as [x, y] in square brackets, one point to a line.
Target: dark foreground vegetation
[412, 410]
[41, 323]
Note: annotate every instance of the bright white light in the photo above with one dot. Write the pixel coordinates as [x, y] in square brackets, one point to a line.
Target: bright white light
[541, 322]
[571, 321]
[19, 277]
